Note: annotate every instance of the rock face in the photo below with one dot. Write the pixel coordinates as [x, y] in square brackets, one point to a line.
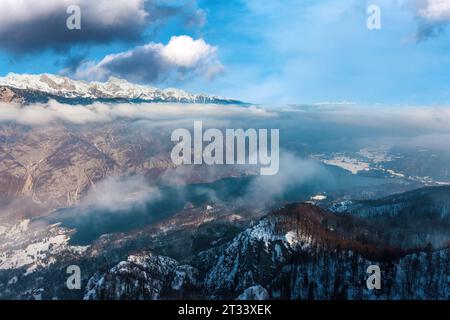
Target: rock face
[8, 94]
[54, 167]
[27, 88]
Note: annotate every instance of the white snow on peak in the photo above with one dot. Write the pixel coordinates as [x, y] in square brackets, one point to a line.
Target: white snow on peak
[264, 231]
[114, 88]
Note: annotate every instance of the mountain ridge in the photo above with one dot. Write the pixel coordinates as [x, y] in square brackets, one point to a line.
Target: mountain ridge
[299, 251]
[39, 88]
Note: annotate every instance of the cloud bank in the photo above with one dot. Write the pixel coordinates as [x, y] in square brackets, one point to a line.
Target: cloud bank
[53, 112]
[22, 23]
[413, 118]
[382, 127]
[179, 59]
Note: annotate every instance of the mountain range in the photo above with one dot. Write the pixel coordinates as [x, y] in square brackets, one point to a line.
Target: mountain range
[299, 251]
[39, 88]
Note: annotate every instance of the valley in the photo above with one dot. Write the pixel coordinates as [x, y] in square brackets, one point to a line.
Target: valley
[91, 183]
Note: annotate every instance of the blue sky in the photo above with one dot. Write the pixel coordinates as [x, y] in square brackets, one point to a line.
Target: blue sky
[291, 51]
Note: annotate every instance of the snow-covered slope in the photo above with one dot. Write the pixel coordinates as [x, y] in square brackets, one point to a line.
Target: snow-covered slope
[55, 86]
[302, 252]
[297, 252]
[144, 276]
[34, 246]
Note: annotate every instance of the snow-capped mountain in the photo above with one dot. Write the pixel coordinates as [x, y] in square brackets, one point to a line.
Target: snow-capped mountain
[31, 88]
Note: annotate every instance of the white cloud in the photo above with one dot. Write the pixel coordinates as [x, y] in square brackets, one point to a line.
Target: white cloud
[155, 62]
[120, 194]
[102, 21]
[432, 15]
[183, 51]
[293, 172]
[52, 112]
[423, 118]
[435, 10]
